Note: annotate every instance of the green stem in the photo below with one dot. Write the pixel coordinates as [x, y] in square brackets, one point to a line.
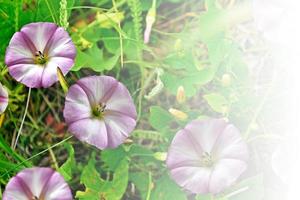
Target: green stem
[144, 85]
[53, 158]
[259, 108]
[17, 16]
[23, 119]
[154, 4]
[140, 98]
[120, 34]
[49, 104]
[149, 186]
[141, 155]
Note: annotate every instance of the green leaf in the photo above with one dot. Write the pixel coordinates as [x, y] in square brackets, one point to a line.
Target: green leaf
[191, 81]
[141, 181]
[92, 182]
[215, 21]
[96, 188]
[132, 47]
[113, 157]
[94, 59]
[146, 4]
[144, 155]
[184, 62]
[110, 39]
[216, 101]
[211, 21]
[166, 189]
[159, 118]
[66, 169]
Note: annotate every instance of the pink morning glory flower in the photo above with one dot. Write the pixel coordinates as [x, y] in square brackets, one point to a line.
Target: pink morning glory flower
[207, 156]
[3, 99]
[37, 184]
[99, 110]
[35, 52]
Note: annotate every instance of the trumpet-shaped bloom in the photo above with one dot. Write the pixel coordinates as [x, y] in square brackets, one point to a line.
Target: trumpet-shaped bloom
[35, 52]
[3, 99]
[207, 156]
[37, 184]
[99, 110]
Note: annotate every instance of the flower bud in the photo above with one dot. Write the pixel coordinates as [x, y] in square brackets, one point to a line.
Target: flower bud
[179, 48]
[162, 156]
[2, 116]
[128, 141]
[180, 97]
[178, 114]
[150, 19]
[80, 24]
[254, 126]
[62, 80]
[225, 110]
[226, 80]
[85, 43]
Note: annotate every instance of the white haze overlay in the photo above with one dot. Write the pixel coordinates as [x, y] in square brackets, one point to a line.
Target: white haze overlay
[278, 23]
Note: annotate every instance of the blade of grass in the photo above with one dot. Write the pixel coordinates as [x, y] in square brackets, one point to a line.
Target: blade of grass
[7, 149]
[36, 155]
[51, 11]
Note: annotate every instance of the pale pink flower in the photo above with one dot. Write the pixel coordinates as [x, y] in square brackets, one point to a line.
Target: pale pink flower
[100, 111]
[3, 99]
[35, 52]
[207, 156]
[37, 184]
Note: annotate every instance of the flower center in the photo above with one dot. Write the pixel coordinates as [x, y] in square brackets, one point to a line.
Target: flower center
[40, 58]
[98, 110]
[37, 198]
[206, 160]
